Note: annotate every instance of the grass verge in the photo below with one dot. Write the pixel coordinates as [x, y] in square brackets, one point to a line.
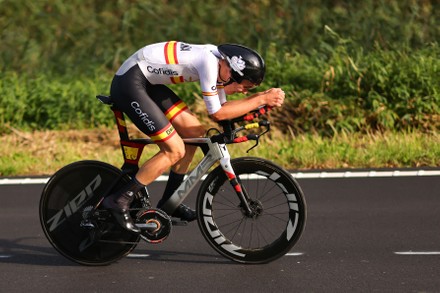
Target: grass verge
[44, 152]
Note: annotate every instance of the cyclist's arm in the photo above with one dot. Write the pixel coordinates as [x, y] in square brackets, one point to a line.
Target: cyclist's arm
[232, 109]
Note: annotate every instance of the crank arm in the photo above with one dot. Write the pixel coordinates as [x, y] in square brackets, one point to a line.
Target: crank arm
[148, 226]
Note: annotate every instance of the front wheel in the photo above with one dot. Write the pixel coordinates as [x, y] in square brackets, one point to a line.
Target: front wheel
[277, 221]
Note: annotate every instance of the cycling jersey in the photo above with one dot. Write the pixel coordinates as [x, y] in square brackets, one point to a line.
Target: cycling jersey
[176, 62]
[139, 86]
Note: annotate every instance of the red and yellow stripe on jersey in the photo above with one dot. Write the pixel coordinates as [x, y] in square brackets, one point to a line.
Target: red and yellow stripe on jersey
[175, 110]
[215, 92]
[170, 51]
[210, 94]
[163, 134]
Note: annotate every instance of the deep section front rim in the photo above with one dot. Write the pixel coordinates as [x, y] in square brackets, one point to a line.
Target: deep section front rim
[277, 221]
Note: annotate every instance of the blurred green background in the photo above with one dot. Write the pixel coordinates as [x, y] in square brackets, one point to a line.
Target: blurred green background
[351, 66]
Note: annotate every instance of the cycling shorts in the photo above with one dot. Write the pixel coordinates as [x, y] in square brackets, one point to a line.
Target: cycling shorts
[151, 107]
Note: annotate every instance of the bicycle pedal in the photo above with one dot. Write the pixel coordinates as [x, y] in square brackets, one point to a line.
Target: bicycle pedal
[87, 224]
[176, 222]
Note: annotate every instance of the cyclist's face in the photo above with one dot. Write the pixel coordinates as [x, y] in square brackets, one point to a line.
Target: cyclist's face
[224, 73]
[247, 85]
[242, 87]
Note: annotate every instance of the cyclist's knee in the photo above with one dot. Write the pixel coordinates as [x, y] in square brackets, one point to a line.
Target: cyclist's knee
[194, 131]
[174, 149]
[187, 125]
[199, 131]
[176, 155]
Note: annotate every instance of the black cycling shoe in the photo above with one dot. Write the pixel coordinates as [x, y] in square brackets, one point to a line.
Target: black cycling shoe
[185, 213]
[124, 219]
[118, 206]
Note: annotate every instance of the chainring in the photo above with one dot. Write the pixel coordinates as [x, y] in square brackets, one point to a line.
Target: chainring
[155, 225]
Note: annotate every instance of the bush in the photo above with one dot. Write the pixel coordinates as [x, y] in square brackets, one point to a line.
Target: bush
[346, 65]
[329, 91]
[48, 102]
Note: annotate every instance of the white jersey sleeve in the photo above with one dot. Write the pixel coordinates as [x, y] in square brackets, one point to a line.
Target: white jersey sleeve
[208, 71]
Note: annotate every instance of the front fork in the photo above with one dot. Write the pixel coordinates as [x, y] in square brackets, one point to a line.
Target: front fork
[225, 162]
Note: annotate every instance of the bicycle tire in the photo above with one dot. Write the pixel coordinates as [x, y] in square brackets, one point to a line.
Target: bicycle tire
[263, 238]
[64, 197]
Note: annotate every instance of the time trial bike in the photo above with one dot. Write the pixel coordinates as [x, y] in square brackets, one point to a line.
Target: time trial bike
[249, 209]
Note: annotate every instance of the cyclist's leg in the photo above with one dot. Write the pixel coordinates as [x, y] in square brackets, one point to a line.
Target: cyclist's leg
[130, 94]
[170, 152]
[146, 106]
[187, 125]
[120, 201]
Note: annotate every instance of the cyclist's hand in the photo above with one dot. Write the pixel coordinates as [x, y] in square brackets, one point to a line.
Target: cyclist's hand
[274, 97]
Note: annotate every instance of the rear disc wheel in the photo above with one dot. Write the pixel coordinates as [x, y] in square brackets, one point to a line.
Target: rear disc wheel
[67, 198]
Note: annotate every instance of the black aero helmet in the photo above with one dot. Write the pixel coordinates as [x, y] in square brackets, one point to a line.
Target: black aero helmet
[245, 63]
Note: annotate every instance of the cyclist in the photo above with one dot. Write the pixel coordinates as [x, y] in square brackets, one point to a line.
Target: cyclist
[140, 90]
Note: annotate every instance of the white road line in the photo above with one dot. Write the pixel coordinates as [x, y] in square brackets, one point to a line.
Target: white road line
[138, 255]
[20, 181]
[299, 175]
[417, 252]
[24, 181]
[294, 253]
[365, 174]
[5, 256]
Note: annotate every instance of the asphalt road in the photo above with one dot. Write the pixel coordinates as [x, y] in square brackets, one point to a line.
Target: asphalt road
[362, 235]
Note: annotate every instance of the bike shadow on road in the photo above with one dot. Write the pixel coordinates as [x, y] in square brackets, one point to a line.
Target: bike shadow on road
[179, 257]
[17, 251]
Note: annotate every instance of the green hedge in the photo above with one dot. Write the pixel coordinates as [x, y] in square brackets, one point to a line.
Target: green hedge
[48, 102]
[344, 88]
[345, 91]
[346, 65]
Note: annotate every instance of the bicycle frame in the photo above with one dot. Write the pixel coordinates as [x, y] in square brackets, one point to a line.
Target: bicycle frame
[216, 152]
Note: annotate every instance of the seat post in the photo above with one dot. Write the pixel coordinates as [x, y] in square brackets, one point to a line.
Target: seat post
[120, 122]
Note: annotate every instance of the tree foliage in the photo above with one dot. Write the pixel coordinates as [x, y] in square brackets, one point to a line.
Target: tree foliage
[347, 65]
